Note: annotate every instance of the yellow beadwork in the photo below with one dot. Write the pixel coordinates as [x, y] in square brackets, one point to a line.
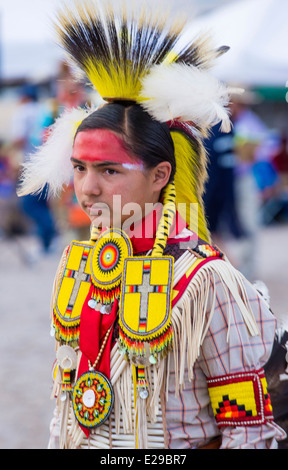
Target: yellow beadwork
[167, 218]
[243, 392]
[72, 291]
[240, 398]
[144, 317]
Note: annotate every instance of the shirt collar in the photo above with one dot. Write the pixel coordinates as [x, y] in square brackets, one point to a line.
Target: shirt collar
[142, 234]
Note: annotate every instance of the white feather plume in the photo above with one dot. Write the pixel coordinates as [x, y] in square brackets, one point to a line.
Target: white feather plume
[181, 91]
[50, 164]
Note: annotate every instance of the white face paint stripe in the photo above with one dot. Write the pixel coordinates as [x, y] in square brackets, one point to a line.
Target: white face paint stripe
[133, 166]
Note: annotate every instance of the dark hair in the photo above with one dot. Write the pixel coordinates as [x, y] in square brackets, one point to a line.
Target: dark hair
[146, 138]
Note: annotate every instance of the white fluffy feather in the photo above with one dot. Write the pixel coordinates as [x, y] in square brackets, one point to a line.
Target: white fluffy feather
[187, 93]
[263, 290]
[50, 164]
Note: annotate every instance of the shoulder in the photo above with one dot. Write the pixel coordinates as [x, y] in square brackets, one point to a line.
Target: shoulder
[189, 241]
[192, 265]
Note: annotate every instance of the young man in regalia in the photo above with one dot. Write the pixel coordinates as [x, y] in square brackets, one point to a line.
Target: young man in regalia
[160, 342]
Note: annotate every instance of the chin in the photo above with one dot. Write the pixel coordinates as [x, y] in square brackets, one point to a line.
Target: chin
[100, 222]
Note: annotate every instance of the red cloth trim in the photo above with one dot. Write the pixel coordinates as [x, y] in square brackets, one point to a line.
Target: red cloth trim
[142, 235]
[93, 328]
[184, 281]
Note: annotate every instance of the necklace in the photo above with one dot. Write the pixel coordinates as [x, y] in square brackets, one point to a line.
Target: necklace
[93, 395]
[93, 367]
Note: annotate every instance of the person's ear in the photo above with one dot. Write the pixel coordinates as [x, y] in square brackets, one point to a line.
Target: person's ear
[161, 175]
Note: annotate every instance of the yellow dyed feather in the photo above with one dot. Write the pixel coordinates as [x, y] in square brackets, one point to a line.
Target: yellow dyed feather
[113, 83]
[189, 183]
[115, 45]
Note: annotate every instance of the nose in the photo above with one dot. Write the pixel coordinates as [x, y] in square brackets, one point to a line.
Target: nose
[91, 184]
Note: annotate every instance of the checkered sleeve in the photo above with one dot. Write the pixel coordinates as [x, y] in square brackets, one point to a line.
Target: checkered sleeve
[232, 361]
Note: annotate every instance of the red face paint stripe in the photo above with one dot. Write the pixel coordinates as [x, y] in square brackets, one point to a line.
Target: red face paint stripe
[101, 145]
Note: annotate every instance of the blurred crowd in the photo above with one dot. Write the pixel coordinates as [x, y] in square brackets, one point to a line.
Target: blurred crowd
[35, 110]
[246, 189]
[247, 184]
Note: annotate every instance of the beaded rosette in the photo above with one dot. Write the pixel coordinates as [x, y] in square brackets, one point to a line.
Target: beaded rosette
[107, 261]
[92, 399]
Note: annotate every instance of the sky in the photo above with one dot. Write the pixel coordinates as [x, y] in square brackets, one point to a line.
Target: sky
[27, 42]
[28, 45]
[27, 20]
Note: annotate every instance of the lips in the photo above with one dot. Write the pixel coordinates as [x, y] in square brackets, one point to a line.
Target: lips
[94, 209]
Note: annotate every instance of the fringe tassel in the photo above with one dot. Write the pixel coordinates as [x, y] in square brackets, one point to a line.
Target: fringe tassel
[141, 423]
[64, 423]
[190, 326]
[156, 377]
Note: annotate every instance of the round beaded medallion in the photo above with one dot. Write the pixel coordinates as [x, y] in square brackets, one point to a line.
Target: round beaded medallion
[108, 256]
[92, 399]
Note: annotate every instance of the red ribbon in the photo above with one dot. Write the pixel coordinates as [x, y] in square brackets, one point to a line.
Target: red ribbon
[93, 328]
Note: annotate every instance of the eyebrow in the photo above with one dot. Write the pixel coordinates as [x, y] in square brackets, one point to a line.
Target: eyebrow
[98, 164]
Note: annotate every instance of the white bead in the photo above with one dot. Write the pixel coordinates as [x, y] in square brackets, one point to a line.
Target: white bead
[106, 309]
[67, 357]
[89, 398]
[152, 359]
[144, 393]
[92, 303]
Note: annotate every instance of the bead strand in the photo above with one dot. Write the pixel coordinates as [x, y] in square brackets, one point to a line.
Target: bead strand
[92, 367]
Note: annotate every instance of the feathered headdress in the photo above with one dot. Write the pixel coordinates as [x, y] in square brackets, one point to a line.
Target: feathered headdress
[133, 52]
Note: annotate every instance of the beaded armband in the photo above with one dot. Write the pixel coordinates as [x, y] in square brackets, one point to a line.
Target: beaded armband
[240, 399]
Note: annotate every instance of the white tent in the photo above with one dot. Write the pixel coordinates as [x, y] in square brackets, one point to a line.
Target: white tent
[257, 33]
[27, 42]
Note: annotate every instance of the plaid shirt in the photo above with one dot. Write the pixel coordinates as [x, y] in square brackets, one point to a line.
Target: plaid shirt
[189, 416]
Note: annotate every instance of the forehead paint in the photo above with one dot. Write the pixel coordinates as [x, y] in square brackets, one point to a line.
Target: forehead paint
[97, 145]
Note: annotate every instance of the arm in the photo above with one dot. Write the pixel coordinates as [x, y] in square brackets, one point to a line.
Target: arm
[229, 352]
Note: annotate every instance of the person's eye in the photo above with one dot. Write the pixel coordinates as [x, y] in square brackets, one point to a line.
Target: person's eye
[110, 171]
[79, 168]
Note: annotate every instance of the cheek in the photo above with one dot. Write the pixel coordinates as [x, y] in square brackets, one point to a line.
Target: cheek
[137, 190]
[77, 186]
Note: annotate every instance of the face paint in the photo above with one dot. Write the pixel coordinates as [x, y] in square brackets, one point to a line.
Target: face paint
[103, 170]
[133, 166]
[101, 145]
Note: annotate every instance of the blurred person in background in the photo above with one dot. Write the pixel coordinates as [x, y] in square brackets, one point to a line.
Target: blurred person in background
[250, 135]
[219, 197]
[70, 94]
[29, 127]
[12, 221]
